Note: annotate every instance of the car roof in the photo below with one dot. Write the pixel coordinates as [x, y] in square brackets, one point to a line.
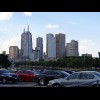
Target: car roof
[86, 72]
[3, 69]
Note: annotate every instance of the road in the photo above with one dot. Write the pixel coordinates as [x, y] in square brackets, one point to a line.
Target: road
[21, 84]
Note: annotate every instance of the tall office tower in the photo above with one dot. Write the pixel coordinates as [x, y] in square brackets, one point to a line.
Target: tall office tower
[39, 45]
[13, 52]
[60, 45]
[99, 54]
[50, 46]
[26, 44]
[72, 48]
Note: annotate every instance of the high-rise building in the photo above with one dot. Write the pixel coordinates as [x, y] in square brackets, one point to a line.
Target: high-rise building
[36, 54]
[13, 52]
[99, 54]
[50, 46]
[39, 46]
[20, 52]
[72, 48]
[87, 55]
[60, 45]
[4, 52]
[26, 44]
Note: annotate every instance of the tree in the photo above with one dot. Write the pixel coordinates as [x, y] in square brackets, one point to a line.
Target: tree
[4, 62]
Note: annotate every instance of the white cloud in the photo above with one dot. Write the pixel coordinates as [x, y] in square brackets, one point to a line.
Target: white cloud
[5, 44]
[5, 15]
[52, 26]
[28, 13]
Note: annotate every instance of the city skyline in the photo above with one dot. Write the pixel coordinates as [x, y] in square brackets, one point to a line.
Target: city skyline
[80, 26]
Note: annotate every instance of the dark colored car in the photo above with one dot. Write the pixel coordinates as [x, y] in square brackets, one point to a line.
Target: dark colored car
[6, 76]
[27, 75]
[48, 75]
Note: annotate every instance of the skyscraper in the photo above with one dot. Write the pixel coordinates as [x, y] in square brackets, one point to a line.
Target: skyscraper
[50, 46]
[60, 45]
[72, 48]
[13, 52]
[39, 46]
[26, 44]
[99, 54]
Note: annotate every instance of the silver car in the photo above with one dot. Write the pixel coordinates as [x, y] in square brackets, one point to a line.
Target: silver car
[78, 79]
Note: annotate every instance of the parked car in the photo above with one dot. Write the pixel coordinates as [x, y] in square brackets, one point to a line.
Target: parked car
[27, 75]
[48, 75]
[6, 75]
[78, 79]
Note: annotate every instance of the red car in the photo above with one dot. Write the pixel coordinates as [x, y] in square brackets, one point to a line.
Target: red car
[27, 75]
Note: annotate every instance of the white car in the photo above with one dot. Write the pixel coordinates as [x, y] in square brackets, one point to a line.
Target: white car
[78, 79]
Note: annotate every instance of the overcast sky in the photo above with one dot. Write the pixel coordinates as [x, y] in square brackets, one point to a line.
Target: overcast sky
[81, 26]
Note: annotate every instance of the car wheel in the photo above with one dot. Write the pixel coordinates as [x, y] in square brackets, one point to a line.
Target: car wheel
[42, 82]
[33, 79]
[96, 85]
[4, 80]
[56, 85]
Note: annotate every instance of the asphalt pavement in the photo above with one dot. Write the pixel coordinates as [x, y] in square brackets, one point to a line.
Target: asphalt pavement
[21, 84]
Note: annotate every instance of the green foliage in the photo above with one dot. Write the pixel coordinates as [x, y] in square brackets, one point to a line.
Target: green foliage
[67, 62]
[4, 62]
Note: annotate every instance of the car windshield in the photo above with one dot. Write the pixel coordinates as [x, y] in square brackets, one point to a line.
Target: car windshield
[33, 72]
[65, 73]
[97, 73]
[38, 72]
[5, 71]
[73, 76]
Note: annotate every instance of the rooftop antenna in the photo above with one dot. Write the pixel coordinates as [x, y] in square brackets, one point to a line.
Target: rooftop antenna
[27, 27]
[24, 29]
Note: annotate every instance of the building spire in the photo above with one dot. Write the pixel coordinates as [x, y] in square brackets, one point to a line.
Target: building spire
[24, 29]
[27, 27]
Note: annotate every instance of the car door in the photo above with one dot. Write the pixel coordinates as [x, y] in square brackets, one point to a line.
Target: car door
[1, 75]
[21, 75]
[48, 75]
[28, 75]
[55, 75]
[86, 79]
[71, 80]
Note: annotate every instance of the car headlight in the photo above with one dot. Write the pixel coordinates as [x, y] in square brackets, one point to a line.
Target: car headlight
[50, 82]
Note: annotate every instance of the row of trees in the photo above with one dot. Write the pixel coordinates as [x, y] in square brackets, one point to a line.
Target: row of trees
[68, 62]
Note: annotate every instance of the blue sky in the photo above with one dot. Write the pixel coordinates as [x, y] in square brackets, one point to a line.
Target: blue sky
[81, 26]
